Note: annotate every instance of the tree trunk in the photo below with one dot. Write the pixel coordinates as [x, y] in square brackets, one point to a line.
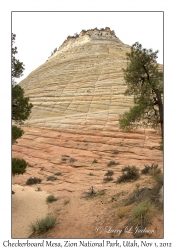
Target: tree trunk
[160, 107]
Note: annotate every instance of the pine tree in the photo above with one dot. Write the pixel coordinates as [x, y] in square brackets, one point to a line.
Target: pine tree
[145, 82]
[18, 166]
[17, 66]
[21, 108]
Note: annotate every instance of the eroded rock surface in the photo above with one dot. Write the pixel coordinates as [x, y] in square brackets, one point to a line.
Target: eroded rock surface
[83, 160]
[76, 155]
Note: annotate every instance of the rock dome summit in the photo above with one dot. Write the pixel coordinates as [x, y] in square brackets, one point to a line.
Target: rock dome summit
[81, 85]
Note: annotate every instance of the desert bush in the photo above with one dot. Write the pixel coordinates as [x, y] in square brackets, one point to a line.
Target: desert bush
[55, 50]
[153, 169]
[155, 191]
[64, 159]
[50, 198]
[159, 179]
[91, 174]
[76, 34]
[161, 146]
[43, 225]
[95, 161]
[111, 163]
[18, 166]
[129, 173]
[58, 173]
[108, 178]
[137, 195]
[33, 180]
[71, 159]
[142, 213]
[38, 189]
[109, 173]
[115, 152]
[51, 178]
[145, 170]
[89, 194]
[137, 186]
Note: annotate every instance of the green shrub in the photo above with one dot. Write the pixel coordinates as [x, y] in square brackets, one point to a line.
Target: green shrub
[51, 178]
[155, 191]
[18, 166]
[58, 173]
[142, 212]
[137, 186]
[161, 145]
[91, 174]
[108, 178]
[129, 173]
[115, 152]
[51, 198]
[33, 180]
[95, 161]
[153, 169]
[145, 170]
[159, 179]
[138, 195]
[43, 225]
[109, 173]
[16, 133]
[55, 50]
[64, 159]
[112, 163]
[71, 159]
[38, 189]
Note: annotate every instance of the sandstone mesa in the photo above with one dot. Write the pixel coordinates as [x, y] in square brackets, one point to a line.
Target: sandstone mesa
[80, 84]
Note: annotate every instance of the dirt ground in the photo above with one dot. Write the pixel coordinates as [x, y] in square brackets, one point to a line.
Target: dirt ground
[27, 206]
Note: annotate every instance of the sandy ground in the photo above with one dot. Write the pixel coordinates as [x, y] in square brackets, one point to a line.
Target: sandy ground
[27, 206]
